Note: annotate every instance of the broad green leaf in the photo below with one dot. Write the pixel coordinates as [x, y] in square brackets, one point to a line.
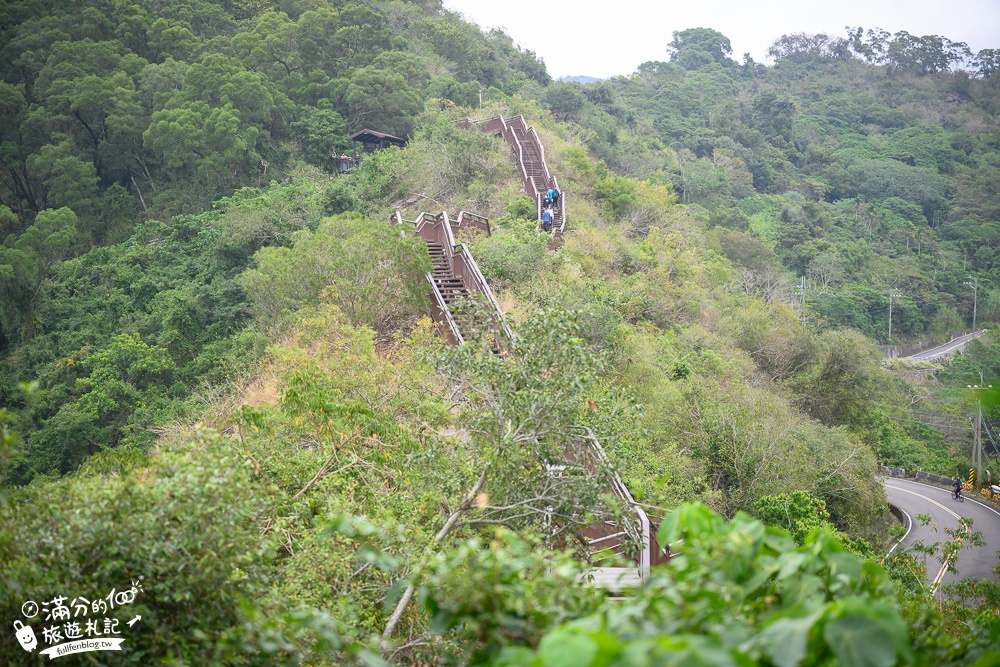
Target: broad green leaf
[857, 641]
[846, 564]
[690, 521]
[785, 641]
[567, 648]
[515, 656]
[778, 539]
[805, 590]
[392, 595]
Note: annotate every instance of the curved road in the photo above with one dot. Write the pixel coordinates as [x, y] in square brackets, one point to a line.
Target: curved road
[953, 345]
[915, 498]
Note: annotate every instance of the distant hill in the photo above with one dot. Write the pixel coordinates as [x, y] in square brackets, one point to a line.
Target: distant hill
[580, 79]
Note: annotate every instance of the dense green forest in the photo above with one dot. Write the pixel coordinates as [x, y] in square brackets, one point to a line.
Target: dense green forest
[217, 374]
[864, 163]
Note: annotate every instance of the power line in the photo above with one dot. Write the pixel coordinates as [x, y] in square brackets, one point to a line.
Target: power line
[989, 434]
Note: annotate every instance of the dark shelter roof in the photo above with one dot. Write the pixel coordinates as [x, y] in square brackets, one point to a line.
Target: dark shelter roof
[379, 138]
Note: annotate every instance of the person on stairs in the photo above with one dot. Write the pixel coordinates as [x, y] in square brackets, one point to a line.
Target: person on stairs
[547, 220]
[553, 194]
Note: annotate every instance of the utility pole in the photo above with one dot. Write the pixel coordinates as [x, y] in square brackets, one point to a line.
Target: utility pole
[480, 99]
[977, 445]
[801, 290]
[892, 295]
[975, 297]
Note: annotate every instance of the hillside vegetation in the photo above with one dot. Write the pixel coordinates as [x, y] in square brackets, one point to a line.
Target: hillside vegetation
[218, 373]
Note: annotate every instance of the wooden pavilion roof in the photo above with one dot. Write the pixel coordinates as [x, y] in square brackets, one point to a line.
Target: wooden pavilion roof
[373, 137]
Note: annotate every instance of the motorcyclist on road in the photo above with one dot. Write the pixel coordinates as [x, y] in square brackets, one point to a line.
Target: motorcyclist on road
[958, 487]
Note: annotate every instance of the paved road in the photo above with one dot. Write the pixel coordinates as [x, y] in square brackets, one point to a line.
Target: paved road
[953, 345]
[915, 498]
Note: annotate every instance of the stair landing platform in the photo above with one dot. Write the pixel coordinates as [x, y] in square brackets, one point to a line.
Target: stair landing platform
[613, 578]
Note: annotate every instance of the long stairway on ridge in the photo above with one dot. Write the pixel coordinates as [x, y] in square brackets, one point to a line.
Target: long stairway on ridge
[623, 548]
[530, 155]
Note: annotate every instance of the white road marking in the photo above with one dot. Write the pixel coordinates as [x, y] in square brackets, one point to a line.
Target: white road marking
[944, 566]
[909, 527]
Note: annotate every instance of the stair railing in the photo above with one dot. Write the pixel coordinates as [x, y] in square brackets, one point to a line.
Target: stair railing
[472, 221]
[440, 311]
[562, 207]
[506, 128]
[467, 268]
[530, 132]
[465, 220]
[635, 527]
[438, 229]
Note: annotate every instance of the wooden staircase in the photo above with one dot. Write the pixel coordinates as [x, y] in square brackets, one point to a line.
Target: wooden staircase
[462, 303]
[530, 155]
[452, 288]
[621, 549]
[533, 162]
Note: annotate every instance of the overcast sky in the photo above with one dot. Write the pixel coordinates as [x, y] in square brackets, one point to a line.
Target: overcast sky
[612, 37]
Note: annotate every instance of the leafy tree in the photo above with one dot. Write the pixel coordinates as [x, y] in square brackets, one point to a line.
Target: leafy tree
[521, 411]
[502, 595]
[8, 221]
[381, 98]
[25, 267]
[448, 88]
[186, 533]
[512, 259]
[375, 277]
[925, 55]
[798, 513]
[564, 99]
[795, 605]
[843, 381]
[69, 182]
[208, 139]
[802, 47]
[826, 271]
[322, 133]
[696, 47]
[617, 194]
[987, 62]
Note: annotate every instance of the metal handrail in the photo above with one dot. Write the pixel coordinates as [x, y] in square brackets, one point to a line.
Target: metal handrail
[541, 151]
[612, 536]
[506, 129]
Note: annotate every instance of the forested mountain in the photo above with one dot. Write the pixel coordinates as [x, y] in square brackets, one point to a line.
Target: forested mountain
[217, 377]
[864, 162]
[113, 115]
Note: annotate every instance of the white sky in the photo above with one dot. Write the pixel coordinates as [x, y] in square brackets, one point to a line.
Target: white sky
[609, 37]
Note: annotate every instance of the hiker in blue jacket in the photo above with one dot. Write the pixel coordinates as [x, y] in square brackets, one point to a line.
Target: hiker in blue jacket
[547, 220]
